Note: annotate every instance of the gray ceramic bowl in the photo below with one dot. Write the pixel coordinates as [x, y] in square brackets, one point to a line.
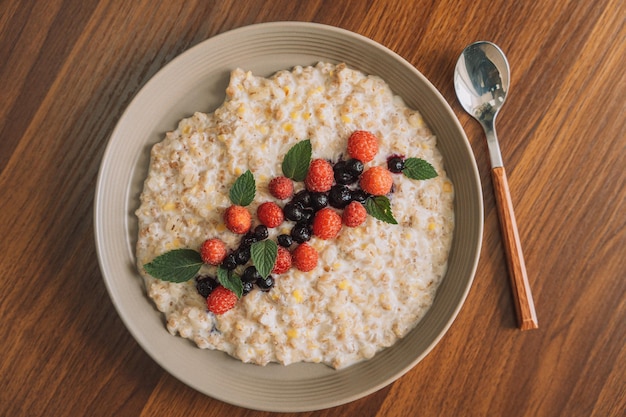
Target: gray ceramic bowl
[195, 81]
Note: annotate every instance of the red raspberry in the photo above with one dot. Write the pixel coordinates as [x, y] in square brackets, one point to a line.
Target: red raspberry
[221, 300]
[305, 257]
[362, 145]
[281, 188]
[238, 219]
[213, 251]
[354, 214]
[327, 223]
[320, 176]
[283, 261]
[270, 214]
[376, 181]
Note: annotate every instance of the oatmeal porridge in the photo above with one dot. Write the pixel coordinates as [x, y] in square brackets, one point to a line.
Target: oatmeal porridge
[372, 283]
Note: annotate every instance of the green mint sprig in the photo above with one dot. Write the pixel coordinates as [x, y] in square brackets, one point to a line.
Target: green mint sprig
[243, 190]
[418, 169]
[263, 255]
[379, 207]
[178, 265]
[297, 160]
[230, 280]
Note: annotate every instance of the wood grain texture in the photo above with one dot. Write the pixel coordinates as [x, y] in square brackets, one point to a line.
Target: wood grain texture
[522, 294]
[69, 68]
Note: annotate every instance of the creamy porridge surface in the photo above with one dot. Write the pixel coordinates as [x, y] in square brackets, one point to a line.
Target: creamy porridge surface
[372, 283]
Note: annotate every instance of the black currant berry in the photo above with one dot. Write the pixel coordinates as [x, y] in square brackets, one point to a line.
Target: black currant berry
[395, 164]
[319, 201]
[205, 285]
[339, 196]
[265, 284]
[248, 239]
[303, 197]
[293, 211]
[285, 240]
[344, 178]
[250, 274]
[359, 195]
[341, 174]
[242, 255]
[307, 215]
[301, 232]
[354, 167]
[260, 232]
[230, 262]
[247, 287]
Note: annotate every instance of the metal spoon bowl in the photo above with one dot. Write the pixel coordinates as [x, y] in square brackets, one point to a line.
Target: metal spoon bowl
[481, 81]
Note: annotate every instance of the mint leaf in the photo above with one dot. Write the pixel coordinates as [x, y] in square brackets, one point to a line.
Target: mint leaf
[178, 265]
[418, 169]
[230, 280]
[380, 208]
[243, 190]
[297, 160]
[263, 256]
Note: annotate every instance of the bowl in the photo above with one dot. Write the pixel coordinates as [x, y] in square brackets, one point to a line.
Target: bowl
[196, 81]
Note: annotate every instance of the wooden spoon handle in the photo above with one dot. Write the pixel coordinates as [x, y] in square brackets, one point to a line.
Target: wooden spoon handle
[524, 305]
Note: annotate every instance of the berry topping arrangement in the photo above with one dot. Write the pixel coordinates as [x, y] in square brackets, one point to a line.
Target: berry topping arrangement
[335, 195]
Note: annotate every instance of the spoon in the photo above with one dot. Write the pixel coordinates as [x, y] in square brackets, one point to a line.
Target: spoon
[481, 81]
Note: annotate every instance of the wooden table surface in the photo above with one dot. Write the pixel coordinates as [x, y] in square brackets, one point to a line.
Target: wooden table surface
[69, 68]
